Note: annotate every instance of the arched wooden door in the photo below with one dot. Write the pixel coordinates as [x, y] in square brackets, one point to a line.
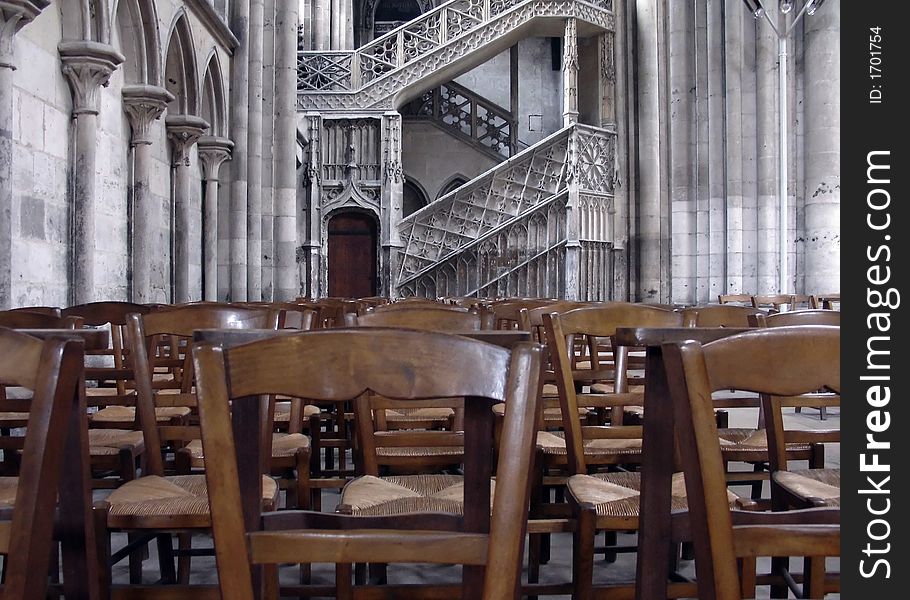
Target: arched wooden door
[352, 255]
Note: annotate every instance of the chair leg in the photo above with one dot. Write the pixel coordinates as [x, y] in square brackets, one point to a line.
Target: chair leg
[102, 549]
[583, 555]
[814, 577]
[166, 558]
[184, 543]
[343, 588]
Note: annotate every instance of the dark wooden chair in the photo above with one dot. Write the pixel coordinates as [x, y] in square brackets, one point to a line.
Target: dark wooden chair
[49, 371]
[776, 363]
[115, 452]
[829, 301]
[343, 365]
[171, 494]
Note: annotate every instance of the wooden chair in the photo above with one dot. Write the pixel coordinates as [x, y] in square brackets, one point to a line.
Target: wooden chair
[343, 365]
[736, 299]
[174, 500]
[506, 312]
[829, 301]
[606, 501]
[779, 362]
[114, 450]
[777, 302]
[803, 317]
[49, 369]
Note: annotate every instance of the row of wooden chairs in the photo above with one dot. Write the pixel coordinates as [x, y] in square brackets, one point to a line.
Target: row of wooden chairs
[776, 302]
[550, 334]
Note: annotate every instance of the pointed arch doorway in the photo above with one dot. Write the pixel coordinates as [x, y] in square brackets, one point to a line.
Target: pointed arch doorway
[352, 255]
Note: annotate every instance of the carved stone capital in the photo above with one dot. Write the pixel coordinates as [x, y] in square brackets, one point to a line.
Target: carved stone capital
[14, 15]
[213, 151]
[184, 131]
[88, 66]
[142, 105]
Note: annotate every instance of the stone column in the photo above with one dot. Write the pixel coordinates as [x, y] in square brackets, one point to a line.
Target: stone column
[87, 66]
[183, 131]
[767, 134]
[254, 156]
[213, 151]
[313, 181]
[267, 222]
[287, 275]
[322, 25]
[570, 74]
[13, 17]
[143, 104]
[240, 95]
[822, 119]
[392, 192]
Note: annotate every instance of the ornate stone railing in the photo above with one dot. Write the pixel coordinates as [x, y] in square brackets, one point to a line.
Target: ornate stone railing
[467, 115]
[372, 75]
[576, 162]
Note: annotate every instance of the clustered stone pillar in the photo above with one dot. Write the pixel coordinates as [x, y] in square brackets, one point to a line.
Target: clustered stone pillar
[143, 104]
[570, 73]
[213, 151]
[183, 131]
[88, 66]
[14, 15]
[287, 281]
[822, 147]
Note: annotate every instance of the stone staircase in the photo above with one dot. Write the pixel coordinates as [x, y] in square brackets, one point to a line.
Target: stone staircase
[537, 224]
[431, 50]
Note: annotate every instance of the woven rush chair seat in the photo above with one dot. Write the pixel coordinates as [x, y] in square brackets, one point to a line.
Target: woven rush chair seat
[283, 412]
[8, 487]
[818, 487]
[554, 443]
[550, 414]
[127, 414]
[619, 494]
[284, 445]
[103, 442]
[11, 420]
[397, 495]
[179, 501]
[410, 415]
[741, 444]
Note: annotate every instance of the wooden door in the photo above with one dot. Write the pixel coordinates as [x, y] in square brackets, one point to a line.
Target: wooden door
[352, 255]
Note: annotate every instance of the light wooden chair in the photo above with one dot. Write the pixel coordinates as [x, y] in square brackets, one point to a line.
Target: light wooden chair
[718, 315]
[735, 299]
[342, 365]
[604, 501]
[781, 302]
[780, 362]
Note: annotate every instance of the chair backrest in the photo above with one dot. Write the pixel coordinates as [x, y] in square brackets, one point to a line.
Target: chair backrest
[417, 303]
[340, 365]
[50, 370]
[25, 319]
[809, 316]
[113, 314]
[777, 302]
[593, 324]
[718, 315]
[419, 317]
[829, 301]
[734, 299]
[53, 311]
[506, 312]
[778, 362]
[177, 324]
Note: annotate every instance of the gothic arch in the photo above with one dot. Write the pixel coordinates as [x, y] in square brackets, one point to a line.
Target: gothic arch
[137, 26]
[180, 77]
[214, 108]
[85, 20]
[452, 183]
[414, 197]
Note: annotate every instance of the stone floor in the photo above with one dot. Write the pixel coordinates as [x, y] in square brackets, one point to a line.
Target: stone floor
[558, 570]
